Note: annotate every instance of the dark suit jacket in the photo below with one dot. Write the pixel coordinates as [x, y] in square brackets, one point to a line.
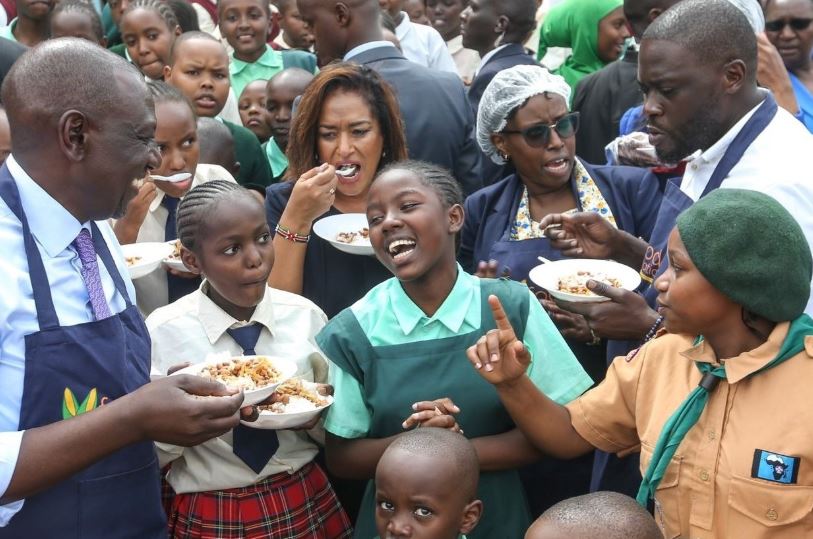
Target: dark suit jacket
[9, 52]
[439, 122]
[512, 55]
[602, 98]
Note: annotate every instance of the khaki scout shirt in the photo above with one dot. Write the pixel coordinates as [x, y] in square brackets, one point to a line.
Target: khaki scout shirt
[719, 483]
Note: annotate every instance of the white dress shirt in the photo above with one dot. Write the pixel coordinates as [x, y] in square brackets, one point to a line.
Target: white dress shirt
[423, 45]
[152, 289]
[778, 163]
[54, 229]
[489, 55]
[193, 328]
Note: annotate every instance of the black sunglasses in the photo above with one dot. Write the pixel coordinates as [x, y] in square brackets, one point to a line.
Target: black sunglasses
[779, 25]
[539, 135]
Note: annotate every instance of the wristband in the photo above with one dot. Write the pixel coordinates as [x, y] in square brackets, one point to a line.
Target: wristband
[286, 234]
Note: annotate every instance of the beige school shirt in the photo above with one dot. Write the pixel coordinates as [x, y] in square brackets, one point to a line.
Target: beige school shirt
[194, 327]
[715, 486]
[466, 60]
[152, 290]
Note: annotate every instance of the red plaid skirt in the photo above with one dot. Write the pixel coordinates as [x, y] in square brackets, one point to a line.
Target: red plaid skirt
[298, 506]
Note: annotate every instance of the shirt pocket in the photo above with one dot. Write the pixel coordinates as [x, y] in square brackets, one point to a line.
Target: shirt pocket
[760, 509]
[667, 498]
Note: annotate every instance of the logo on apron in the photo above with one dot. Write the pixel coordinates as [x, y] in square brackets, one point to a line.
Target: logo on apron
[71, 409]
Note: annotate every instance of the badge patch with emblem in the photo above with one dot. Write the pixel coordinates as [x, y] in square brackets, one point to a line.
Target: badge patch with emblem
[775, 467]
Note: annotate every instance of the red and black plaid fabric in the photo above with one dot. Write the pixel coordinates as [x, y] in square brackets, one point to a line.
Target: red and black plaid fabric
[167, 492]
[298, 506]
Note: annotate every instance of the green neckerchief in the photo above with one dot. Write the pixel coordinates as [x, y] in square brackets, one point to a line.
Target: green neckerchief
[689, 412]
[574, 24]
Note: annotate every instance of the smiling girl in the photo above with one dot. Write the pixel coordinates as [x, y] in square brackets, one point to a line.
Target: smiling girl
[148, 30]
[348, 121]
[400, 350]
[716, 402]
[248, 483]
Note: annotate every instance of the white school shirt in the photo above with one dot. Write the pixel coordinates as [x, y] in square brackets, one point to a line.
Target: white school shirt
[194, 327]
[152, 290]
[54, 229]
[423, 45]
[778, 163]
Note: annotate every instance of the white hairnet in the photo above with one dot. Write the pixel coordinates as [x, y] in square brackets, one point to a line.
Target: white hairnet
[753, 12]
[509, 90]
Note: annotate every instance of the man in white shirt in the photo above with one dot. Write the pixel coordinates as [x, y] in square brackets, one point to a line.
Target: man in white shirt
[420, 43]
[77, 414]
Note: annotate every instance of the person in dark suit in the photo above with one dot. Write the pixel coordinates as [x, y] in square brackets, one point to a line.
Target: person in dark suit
[497, 30]
[439, 122]
[9, 52]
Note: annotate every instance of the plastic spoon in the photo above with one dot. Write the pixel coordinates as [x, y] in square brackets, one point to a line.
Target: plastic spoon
[175, 178]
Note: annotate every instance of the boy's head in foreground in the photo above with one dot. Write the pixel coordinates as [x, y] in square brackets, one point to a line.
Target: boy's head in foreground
[605, 515]
[426, 486]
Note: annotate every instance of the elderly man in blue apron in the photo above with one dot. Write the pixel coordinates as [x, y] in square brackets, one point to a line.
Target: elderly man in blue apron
[703, 105]
[77, 414]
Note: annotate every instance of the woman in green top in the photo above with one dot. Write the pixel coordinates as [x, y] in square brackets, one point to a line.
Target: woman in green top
[594, 29]
[401, 350]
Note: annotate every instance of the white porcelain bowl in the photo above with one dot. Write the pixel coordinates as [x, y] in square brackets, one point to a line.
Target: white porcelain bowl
[150, 255]
[275, 421]
[547, 276]
[330, 227]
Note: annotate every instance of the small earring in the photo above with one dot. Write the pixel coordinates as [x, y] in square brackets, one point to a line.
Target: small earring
[504, 156]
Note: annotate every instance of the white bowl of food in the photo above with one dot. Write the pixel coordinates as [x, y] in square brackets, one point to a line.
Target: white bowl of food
[296, 403]
[144, 258]
[257, 376]
[347, 232]
[174, 261]
[566, 280]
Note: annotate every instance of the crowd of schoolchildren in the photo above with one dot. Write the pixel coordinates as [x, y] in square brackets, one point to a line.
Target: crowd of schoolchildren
[480, 138]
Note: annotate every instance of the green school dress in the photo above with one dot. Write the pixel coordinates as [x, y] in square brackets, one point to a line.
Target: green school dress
[269, 64]
[376, 383]
[276, 160]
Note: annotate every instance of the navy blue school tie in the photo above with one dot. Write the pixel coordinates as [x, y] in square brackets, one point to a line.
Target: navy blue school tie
[178, 287]
[255, 447]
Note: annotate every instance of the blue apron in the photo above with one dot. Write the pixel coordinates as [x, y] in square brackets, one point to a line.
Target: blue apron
[623, 475]
[72, 369]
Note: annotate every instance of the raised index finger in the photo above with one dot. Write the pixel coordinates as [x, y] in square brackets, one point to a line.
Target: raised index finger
[500, 318]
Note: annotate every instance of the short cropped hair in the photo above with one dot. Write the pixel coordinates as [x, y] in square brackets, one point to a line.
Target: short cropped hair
[715, 31]
[84, 8]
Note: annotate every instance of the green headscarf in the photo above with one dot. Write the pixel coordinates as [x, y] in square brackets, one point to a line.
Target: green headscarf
[574, 24]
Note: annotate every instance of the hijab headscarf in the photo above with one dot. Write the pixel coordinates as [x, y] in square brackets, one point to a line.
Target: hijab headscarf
[574, 24]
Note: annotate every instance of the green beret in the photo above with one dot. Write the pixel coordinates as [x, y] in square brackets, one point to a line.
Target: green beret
[751, 249]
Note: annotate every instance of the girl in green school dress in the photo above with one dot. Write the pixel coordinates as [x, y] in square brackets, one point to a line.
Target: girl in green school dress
[401, 350]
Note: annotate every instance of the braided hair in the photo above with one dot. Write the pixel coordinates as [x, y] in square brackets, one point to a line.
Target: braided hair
[435, 177]
[162, 92]
[81, 7]
[199, 203]
[160, 7]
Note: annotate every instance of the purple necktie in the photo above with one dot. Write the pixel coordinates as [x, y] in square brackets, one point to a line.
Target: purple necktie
[90, 274]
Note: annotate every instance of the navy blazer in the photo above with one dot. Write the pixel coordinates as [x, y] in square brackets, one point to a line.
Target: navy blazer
[439, 123]
[512, 55]
[633, 195]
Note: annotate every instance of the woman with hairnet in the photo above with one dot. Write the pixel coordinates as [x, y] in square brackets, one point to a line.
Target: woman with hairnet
[524, 118]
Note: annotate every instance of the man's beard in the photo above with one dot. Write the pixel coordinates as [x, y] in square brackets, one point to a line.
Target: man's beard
[701, 132]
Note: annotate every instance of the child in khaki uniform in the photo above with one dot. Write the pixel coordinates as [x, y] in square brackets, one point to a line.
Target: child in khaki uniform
[717, 406]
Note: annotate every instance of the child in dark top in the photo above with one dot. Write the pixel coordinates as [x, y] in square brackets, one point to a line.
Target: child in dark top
[148, 30]
[608, 515]
[199, 68]
[426, 486]
[252, 110]
[244, 24]
[217, 145]
[280, 93]
[77, 18]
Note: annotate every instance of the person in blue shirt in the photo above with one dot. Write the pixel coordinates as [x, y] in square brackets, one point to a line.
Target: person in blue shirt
[78, 414]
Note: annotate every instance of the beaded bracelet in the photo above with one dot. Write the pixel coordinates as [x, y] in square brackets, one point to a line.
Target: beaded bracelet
[654, 329]
[286, 234]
